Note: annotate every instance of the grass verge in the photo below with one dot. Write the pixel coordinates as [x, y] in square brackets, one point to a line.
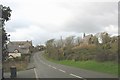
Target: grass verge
[105, 67]
[20, 65]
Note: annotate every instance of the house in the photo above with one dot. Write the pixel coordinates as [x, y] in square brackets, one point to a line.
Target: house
[15, 54]
[101, 36]
[88, 39]
[39, 47]
[19, 47]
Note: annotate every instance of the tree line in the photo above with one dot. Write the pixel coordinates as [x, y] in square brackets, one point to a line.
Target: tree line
[99, 47]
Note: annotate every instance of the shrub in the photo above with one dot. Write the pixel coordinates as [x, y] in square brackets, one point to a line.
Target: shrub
[73, 57]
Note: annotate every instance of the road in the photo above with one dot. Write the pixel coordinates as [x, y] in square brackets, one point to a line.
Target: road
[0, 73]
[47, 69]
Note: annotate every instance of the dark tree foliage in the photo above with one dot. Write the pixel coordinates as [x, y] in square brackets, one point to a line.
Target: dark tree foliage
[92, 49]
[6, 14]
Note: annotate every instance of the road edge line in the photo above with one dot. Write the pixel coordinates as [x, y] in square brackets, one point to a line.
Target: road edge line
[36, 76]
[75, 76]
[62, 70]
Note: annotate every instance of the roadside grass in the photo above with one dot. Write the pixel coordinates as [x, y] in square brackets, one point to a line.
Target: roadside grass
[105, 67]
[20, 65]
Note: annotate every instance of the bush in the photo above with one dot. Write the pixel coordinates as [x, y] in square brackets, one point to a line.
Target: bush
[101, 57]
[73, 57]
[18, 59]
[106, 55]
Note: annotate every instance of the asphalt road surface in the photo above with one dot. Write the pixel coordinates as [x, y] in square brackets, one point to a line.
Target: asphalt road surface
[0, 73]
[47, 69]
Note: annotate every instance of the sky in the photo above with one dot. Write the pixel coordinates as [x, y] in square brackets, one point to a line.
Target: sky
[41, 20]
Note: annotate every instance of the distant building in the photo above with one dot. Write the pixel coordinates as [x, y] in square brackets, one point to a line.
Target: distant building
[14, 54]
[39, 48]
[23, 47]
[88, 39]
[100, 36]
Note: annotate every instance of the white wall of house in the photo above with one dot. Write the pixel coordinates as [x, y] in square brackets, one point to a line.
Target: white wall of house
[14, 55]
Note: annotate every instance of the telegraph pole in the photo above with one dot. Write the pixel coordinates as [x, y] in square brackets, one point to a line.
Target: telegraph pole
[1, 27]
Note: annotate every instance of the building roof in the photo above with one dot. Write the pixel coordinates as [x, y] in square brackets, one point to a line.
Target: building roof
[87, 38]
[21, 46]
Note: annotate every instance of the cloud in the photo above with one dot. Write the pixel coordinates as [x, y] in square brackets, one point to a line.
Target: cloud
[111, 29]
[38, 35]
[93, 17]
[30, 33]
[40, 20]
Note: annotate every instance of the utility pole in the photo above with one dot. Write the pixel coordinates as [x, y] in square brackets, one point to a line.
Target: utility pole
[5, 13]
[1, 26]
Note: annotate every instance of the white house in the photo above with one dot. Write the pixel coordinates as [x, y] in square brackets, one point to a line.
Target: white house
[14, 54]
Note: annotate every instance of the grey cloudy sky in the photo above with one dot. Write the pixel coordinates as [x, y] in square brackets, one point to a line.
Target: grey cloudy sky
[40, 20]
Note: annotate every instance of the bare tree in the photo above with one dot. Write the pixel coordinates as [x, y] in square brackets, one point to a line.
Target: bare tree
[69, 41]
[78, 40]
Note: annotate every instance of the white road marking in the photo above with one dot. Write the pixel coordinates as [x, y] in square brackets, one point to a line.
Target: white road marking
[75, 75]
[49, 65]
[43, 62]
[54, 67]
[35, 73]
[62, 70]
[46, 64]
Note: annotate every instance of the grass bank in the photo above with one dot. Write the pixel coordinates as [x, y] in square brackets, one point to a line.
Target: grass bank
[20, 65]
[105, 67]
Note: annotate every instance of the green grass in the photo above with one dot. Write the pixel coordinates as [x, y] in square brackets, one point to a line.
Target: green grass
[105, 67]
